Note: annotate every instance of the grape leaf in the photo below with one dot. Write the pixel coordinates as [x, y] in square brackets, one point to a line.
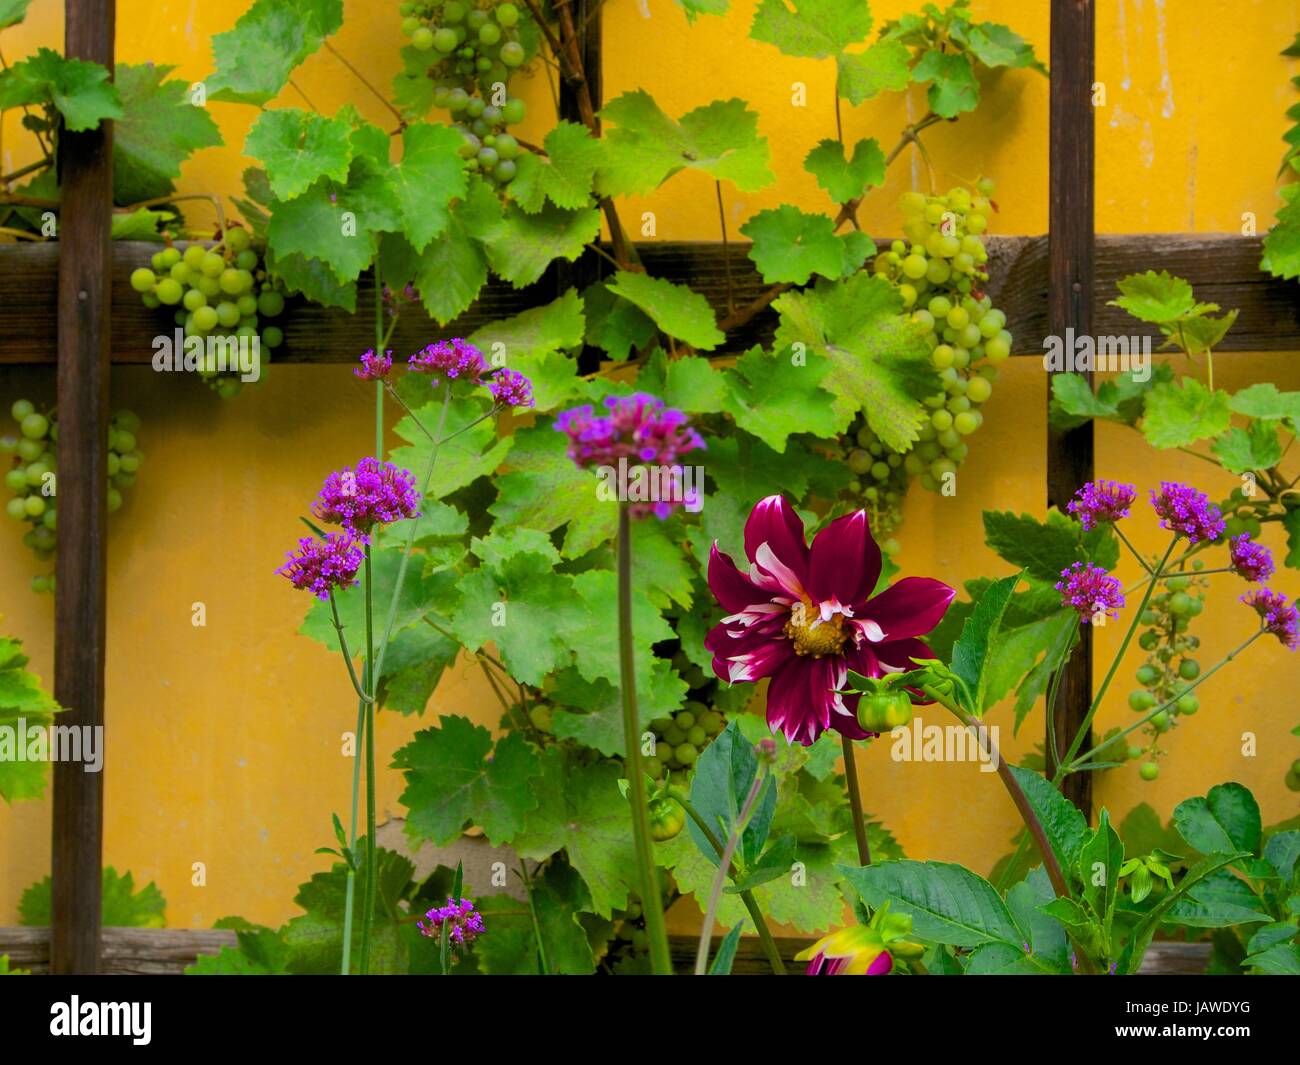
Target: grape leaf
[22, 698]
[995, 45]
[313, 279]
[1154, 297]
[1044, 548]
[884, 67]
[122, 906]
[255, 59]
[524, 245]
[593, 631]
[691, 385]
[542, 489]
[790, 246]
[815, 29]
[557, 898]
[1282, 243]
[454, 267]
[1265, 402]
[953, 88]
[320, 224]
[564, 175]
[676, 309]
[452, 783]
[13, 12]
[646, 147]
[773, 397]
[614, 324]
[475, 452]
[533, 343]
[430, 175]
[579, 809]
[78, 89]
[846, 179]
[880, 362]
[159, 129]
[261, 952]
[601, 726]
[521, 604]
[1178, 415]
[1254, 448]
[297, 147]
[694, 8]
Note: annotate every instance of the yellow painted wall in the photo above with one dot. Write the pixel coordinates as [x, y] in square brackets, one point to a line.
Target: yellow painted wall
[224, 741]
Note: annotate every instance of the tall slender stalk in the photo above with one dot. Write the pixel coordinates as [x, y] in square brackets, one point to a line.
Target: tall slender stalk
[747, 897]
[651, 901]
[855, 804]
[720, 876]
[368, 889]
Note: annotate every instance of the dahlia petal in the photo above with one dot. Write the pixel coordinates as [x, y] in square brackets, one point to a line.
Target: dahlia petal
[736, 660]
[844, 561]
[789, 709]
[780, 576]
[730, 587]
[896, 656]
[774, 522]
[910, 607]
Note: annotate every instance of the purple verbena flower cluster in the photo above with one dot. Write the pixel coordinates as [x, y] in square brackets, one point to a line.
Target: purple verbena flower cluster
[323, 566]
[639, 428]
[455, 359]
[1187, 512]
[1251, 560]
[510, 388]
[1101, 502]
[1278, 615]
[374, 367]
[464, 923]
[371, 494]
[1090, 590]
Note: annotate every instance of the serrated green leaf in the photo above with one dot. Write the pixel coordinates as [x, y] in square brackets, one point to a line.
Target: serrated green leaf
[614, 324]
[1225, 819]
[1178, 415]
[1155, 297]
[533, 343]
[1264, 402]
[451, 783]
[790, 246]
[521, 248]
[953, 88]
[884, 67]
[121, 905]
[971, 651]
[564, 174]
[255, 59]
[454, 267]
[880, 362]
[846, 179]
[689, 384]
[677, 310]
[645, 147]
[298, 147]
[79, 90]
[158, 130]
[773, 398]
[22, 698]
[1254, 448]
[429, 177]
[814, 29]
[13, 12]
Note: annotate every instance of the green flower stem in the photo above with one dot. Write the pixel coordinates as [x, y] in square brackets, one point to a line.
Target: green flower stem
[391, 619]
[651, 902]
[720, 876]
[1086, 724]
[532, 912]
[1075, 765]
[1012, 785]
[350, 890]
[855, 803]
[747, 897]
[343, 646]
[1132, 550]
[368, 890]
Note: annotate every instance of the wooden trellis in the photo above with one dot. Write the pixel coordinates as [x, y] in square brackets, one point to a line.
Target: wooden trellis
[1045, 284]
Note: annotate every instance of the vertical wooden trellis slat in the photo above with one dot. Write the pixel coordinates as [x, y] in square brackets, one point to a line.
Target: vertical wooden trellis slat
[85, 272]
[1070, 231]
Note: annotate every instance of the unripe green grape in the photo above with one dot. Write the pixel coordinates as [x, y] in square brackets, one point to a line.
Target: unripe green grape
[1187, 704]
[880, 471]
[29, 450]
[34, 426]
[272, 336]
[939, 306]
[182, 273]
[204, 320]
[513, 111]
[978, 389]
[937, 271]
[504, 171]
[193, 256]
[1160, 721]
[958, 318]
[507, 14]
[270, 303]
[976, 223]
[424, 38]
[512, 53]
[143, 279]
[941, 420]
[1147, 674]
[246, 305]
[489, 34]
[949, 246]
[226, 313]
[474, 108]
[1189, 669]
[246, 259]
[16, 480]
[34, 506]
[453, 11]
[458, 100]
[942, 356]
[997, 350]
[859, 462]
[410, 25]
[1148, 771]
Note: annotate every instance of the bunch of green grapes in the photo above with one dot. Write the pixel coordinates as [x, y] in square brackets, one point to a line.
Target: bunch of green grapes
[939, 271]
[487, 147]
[32, 475]
[1170, 664]
[218, 290]
[481, 42]
[879, 481]
[681, 738]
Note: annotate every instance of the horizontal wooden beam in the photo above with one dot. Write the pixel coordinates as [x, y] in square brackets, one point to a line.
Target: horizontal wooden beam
[148, 951]
[1223, 269]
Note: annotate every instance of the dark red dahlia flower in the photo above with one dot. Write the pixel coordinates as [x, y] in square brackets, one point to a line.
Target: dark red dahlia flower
[805, 616]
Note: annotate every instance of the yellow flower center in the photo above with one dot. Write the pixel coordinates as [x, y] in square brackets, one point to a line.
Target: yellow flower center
[811, 635]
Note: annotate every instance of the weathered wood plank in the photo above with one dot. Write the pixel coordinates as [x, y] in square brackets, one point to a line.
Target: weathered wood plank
[1070, 238]
[1224, 269]
[143, 951]
[84, 317]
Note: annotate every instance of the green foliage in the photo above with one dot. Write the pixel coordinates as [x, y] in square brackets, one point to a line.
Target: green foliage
[121, 905]
[158, 129]
[22, 699]
[255, 60]
[79, 90]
